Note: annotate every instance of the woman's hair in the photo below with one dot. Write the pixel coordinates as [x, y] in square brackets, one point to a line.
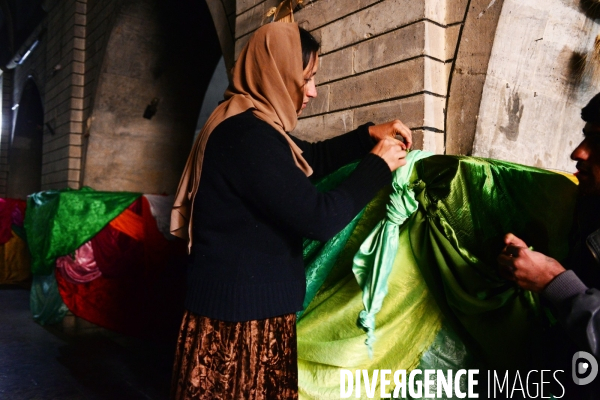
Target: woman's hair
[310, 47]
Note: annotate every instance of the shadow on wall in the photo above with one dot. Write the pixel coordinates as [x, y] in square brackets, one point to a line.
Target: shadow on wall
[25, 151]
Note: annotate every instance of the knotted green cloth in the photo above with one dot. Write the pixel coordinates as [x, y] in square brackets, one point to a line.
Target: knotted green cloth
[445, 270]
[466, 206]
[58, 222]
[374, 260]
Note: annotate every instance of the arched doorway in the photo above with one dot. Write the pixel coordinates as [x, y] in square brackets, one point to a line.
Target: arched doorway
[25, 151]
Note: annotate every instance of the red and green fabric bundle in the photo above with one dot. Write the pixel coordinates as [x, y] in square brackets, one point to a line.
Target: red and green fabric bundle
[107, 258]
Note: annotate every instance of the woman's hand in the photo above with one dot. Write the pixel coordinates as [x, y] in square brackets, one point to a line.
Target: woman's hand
[392, 151]
[391, 129]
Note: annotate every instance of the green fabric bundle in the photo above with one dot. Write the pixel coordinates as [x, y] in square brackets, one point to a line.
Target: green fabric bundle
[56, 224]
[466, 206]
[443, 273]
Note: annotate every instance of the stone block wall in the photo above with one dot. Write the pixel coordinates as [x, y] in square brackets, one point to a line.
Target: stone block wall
[65, 66]
[380, 60]
[424, 62]
[64, 93]
[223, 15]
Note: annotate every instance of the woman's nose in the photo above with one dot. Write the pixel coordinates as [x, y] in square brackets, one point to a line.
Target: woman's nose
[312, 90]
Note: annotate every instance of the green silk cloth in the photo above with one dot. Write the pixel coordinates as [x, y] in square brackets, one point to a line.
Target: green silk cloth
[466, 206]
[58, 222]
[443, 290]
[329, 337]
[375, 258]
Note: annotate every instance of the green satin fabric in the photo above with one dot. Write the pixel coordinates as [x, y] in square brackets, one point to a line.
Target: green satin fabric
[329, 338]
[375, 258]
[466, 206]
[58, 222]
[45, 302]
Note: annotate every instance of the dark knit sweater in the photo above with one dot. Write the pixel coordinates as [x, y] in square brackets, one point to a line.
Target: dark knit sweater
[254, 206]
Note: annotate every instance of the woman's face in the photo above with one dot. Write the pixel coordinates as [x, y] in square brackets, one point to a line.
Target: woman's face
[310, 90]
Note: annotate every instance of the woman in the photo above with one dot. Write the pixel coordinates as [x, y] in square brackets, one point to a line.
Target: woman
[245, 203]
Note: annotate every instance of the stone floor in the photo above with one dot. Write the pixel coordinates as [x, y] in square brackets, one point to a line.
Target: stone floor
[49, 363]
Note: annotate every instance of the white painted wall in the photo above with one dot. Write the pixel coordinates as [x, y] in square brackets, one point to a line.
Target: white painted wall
[530, 112]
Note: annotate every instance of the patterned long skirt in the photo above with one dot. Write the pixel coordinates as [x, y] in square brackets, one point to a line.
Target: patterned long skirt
[236, 360]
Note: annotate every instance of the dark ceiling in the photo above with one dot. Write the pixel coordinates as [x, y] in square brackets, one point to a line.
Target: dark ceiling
[18, 19]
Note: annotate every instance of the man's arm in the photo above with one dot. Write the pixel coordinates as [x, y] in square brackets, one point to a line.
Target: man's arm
[578, 307]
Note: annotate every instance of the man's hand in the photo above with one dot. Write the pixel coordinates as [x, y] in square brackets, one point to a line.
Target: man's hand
[391, 129]
[529, 269]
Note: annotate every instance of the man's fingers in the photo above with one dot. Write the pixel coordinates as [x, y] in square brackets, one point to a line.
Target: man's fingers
[514, 251]
[509, 239]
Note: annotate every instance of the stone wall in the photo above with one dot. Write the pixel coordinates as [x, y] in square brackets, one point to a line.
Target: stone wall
[223, 16]
[147, 58]
[429, 63]
[63, 94]
[69, 67]
[540, 75]
[380, 60]
[57, 66]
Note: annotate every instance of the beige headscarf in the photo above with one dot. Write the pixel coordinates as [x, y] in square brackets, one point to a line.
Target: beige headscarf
[267, 78]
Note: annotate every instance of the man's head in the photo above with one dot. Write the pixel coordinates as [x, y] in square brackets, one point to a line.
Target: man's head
[587, 154]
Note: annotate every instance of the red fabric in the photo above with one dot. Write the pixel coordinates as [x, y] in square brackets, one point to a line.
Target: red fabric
[130, 224]
[140, 292]
[11, 211]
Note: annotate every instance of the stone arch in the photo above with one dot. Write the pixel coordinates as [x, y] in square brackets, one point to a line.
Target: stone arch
[157, 52]
[468, 74]
[25, 151]
[223, 15]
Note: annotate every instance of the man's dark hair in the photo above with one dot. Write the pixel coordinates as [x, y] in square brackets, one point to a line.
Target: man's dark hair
[310, 47]
[591, 112]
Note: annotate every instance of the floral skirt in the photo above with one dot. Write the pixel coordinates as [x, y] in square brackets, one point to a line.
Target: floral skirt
[236, 360]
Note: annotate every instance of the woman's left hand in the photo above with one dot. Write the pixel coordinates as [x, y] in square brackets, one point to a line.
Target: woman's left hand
[391, 129]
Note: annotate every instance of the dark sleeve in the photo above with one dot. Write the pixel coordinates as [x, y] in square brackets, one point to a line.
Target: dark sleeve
[328, 155]
[578, 309]
[269, 180]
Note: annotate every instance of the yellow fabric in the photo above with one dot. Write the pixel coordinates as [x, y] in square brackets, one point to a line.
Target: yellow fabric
[569, 175]
[330, 340]
[15, 263]
[267, 78]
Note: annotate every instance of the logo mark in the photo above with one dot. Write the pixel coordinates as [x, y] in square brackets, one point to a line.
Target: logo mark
[580, 367]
